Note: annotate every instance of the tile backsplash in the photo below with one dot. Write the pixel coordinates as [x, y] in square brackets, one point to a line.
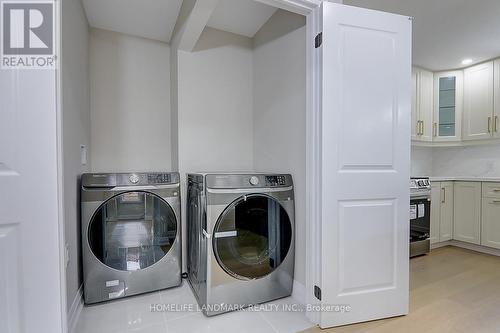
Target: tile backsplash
[421, 162]
[472, 161]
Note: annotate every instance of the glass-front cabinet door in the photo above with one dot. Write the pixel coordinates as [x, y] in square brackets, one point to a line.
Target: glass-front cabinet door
[448, 100]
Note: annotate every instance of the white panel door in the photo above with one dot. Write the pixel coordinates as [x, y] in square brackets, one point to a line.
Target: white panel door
[467, 212]
[435, 211]
[446, 212]
[30, 271]
[478, 102]
[365, 108]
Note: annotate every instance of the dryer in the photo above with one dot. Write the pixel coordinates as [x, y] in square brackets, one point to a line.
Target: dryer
[130, 234]
[241, 234]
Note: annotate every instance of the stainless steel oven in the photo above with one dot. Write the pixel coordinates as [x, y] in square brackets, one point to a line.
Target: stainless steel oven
[420, 216]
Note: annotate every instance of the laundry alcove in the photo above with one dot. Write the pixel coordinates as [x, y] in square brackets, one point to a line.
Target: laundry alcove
[235, 100]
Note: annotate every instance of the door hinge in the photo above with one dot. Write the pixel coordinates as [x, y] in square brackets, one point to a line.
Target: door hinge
[317, 292]
[318, 40]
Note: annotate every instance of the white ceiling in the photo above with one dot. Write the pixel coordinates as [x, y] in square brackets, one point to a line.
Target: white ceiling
[447, 31]
[242, 17]
[154, 19]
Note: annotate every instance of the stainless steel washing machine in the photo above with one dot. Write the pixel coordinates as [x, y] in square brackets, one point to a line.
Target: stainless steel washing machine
[240, 230]
[130, 234]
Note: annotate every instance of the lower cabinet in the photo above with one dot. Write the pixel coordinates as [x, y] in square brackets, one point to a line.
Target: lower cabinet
[435, 211]
[446, 211]
[467, 212]
[490, 219]
[441, 211]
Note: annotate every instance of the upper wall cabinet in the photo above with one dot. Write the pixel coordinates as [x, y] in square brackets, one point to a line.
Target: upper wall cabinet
[496, 99]
[448, 102]
[422, 104]
[479, 122]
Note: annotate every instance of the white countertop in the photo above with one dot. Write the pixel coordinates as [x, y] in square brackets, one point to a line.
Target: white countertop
[466, 179]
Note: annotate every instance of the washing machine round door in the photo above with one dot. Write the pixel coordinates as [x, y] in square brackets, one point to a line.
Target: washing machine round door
[252, 237]
[132, 231]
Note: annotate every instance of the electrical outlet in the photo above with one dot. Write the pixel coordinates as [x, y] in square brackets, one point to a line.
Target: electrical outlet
[66, 255]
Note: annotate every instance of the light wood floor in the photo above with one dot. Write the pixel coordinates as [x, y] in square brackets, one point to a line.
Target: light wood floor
[451, 290]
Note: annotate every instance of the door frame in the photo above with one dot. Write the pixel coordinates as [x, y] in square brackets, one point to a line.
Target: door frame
[310, 9]
[66, 325]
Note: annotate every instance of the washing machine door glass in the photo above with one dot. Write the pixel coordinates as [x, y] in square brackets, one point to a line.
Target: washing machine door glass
[132, 231]
[252, 237]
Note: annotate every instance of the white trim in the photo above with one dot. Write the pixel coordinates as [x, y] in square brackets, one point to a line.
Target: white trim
[299, 292]
[303, 7]
[313, 165]
[60, 165]
[75, 310]
[468, 246]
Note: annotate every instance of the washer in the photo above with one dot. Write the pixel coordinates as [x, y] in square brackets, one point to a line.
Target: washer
[130, 234]
[240, 239]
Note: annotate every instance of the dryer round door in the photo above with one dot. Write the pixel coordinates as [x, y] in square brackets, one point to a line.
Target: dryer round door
[132, 230]
[252, 237]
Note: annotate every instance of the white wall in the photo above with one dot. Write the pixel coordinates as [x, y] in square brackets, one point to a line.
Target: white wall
[214, 107]
[279, 104]
[130, 103]
[76, 131]
[215, 104]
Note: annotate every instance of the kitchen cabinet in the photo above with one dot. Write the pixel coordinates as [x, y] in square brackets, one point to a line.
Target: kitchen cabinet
[496, 97]
[441, 211]
[448, 104]
[446, 211]
[490, 218]
[422, 104]
[467, 212]
[479, 122]
[435, 211]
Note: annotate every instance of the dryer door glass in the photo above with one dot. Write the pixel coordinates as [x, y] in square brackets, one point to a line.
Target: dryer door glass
[252, 237]
[132, 231]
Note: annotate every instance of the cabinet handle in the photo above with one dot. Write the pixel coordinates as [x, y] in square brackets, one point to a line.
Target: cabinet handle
[418, 127]
[435, 129]
[496, 190]
[443, 189]
[495, 124]
[422, 124]
[495, 201]
[489, 124]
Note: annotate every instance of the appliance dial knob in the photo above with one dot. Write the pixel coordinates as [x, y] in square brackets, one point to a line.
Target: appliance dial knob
[254, 180]
[134, 179]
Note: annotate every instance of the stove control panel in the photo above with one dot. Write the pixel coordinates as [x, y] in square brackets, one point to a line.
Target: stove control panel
[420, 183]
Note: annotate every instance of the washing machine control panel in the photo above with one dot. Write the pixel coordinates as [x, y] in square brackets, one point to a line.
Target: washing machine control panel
[108, 180]
[275, 180]
[159, 178]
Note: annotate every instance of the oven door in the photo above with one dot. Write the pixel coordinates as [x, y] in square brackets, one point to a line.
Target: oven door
[420, 212]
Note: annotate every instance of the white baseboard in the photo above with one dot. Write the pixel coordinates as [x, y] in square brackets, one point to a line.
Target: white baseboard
[468, 246]
[75, 310]
[440, 244]
[299, 292]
